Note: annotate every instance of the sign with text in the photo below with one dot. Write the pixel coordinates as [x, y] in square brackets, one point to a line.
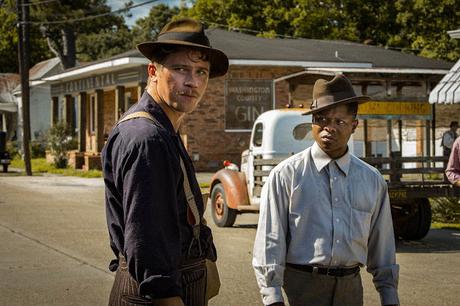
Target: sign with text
[98, 81]
[245, 100]
[395, 110]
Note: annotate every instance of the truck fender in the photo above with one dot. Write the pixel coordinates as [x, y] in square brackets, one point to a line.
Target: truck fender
[234, 183]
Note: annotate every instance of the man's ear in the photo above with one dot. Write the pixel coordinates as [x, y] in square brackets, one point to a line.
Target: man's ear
[152, 71]
[354, 125]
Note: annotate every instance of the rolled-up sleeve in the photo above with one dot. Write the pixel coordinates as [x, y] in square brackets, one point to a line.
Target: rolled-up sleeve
[270, 244]
[152, 235]
[381, 261]
[453, 166]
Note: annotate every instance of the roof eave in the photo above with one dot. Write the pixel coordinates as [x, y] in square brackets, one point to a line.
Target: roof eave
[98, 68]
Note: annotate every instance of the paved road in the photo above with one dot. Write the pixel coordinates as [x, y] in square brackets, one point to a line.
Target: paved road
[54, 251]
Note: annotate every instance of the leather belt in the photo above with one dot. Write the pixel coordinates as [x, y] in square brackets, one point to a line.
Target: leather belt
[337, 272]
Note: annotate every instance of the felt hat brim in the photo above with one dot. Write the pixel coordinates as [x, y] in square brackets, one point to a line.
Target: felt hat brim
[217, 59]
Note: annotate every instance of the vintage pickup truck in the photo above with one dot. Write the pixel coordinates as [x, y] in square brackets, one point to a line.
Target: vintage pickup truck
[278, 134]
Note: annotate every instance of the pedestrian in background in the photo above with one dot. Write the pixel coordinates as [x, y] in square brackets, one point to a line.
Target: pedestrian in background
[448, 138]
[324, 214]
[159, 241]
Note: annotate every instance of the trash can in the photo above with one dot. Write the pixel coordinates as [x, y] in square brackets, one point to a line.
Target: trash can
[2, 141]
[4, 155]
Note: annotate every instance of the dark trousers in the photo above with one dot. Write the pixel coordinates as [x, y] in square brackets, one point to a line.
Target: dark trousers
[125, 289]
[312, 289]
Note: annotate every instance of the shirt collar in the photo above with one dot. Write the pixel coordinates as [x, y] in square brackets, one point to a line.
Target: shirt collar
[150, 105]
[321, 159]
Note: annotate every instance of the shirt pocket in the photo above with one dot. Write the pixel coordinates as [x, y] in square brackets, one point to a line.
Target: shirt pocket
[360, 227]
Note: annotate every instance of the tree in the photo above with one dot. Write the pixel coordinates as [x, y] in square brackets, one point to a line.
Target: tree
[9, 40]
[418, 26]
[61, 27]
[147, 28]
[423, 25]
[264, 18]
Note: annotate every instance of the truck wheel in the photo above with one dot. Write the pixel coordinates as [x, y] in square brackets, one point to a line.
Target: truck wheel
[418, 224]
[5, 168]
[222, 215]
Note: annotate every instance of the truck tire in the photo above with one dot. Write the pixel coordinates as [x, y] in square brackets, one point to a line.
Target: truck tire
[418, 224]
[222, 215]
[5, 168]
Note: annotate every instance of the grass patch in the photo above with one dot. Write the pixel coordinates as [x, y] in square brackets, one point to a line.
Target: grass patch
[39, 165]
[451, 226]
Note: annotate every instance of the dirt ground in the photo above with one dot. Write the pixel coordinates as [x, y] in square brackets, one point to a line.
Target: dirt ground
[54, 251]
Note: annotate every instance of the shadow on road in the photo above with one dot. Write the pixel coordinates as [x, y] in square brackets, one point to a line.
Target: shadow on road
[437, 241]
[245, 226]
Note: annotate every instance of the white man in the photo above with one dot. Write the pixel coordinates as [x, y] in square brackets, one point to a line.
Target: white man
[159, 259]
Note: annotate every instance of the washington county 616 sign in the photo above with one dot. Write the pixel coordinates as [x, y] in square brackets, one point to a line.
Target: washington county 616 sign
[245, 100]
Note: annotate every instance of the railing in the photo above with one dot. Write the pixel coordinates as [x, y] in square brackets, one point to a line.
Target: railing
[427, 171]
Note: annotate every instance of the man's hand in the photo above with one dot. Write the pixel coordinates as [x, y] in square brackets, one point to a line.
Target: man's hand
[172, 301]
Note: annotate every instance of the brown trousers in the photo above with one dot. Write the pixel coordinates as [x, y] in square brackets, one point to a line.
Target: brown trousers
[312, 289]
[125, 289]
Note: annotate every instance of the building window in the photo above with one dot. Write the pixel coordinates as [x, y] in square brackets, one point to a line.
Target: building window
[258, 134]
[92, 115]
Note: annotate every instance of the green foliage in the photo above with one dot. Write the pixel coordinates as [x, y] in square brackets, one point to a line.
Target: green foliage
[62, 36]
[13, 149]
[104, 44]
[39, 165]
[417, 26]
[9, 40]
[60, 141]
[147, 28]
[423, 25]
[446, 210]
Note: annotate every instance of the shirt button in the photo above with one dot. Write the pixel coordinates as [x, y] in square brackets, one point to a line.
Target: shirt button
[338, 241]
[336, 199]
[338, 220]
[335, 177]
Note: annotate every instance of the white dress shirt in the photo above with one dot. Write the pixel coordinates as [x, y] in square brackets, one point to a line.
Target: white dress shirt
[332, 213]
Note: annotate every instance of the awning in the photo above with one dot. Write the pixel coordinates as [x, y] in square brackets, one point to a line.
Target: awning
[448, 89]
[9, 107]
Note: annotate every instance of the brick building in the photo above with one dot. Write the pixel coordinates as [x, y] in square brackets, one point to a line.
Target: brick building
[263, 74]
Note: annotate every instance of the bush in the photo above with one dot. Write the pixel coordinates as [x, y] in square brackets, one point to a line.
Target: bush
[38, 146]
[60, 141]
[446, 210]
[12, 148]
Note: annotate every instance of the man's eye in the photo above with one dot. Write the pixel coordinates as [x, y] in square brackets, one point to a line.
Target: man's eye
[202, 72]
[341, 122]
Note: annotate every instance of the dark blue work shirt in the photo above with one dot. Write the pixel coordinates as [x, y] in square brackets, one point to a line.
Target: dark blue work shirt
[146, 205]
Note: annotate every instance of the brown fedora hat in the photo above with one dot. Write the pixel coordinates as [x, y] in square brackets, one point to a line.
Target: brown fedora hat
[328, 94]
[189, 33]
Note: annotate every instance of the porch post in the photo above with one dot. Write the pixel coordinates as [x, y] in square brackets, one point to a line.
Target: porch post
[140, 89]
[119, 102]
[69, 111]
[82, 100]
[99, 119]
[54, 110]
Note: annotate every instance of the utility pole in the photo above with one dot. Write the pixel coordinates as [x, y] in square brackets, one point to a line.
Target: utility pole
[24, 48]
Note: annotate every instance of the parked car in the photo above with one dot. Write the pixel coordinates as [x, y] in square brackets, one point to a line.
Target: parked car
[5, 158]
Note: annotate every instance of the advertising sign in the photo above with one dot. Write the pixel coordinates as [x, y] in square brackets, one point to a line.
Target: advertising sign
[245, 100]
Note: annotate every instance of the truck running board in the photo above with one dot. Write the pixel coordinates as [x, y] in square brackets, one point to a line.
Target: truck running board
[248, 208]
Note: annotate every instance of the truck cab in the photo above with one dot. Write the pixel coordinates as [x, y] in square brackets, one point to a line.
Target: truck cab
[275, 134]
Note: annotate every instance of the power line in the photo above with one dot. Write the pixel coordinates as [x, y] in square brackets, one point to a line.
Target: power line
[38, 3]
[127, 8]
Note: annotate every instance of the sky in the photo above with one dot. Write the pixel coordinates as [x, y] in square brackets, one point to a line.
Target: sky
[140, 11]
